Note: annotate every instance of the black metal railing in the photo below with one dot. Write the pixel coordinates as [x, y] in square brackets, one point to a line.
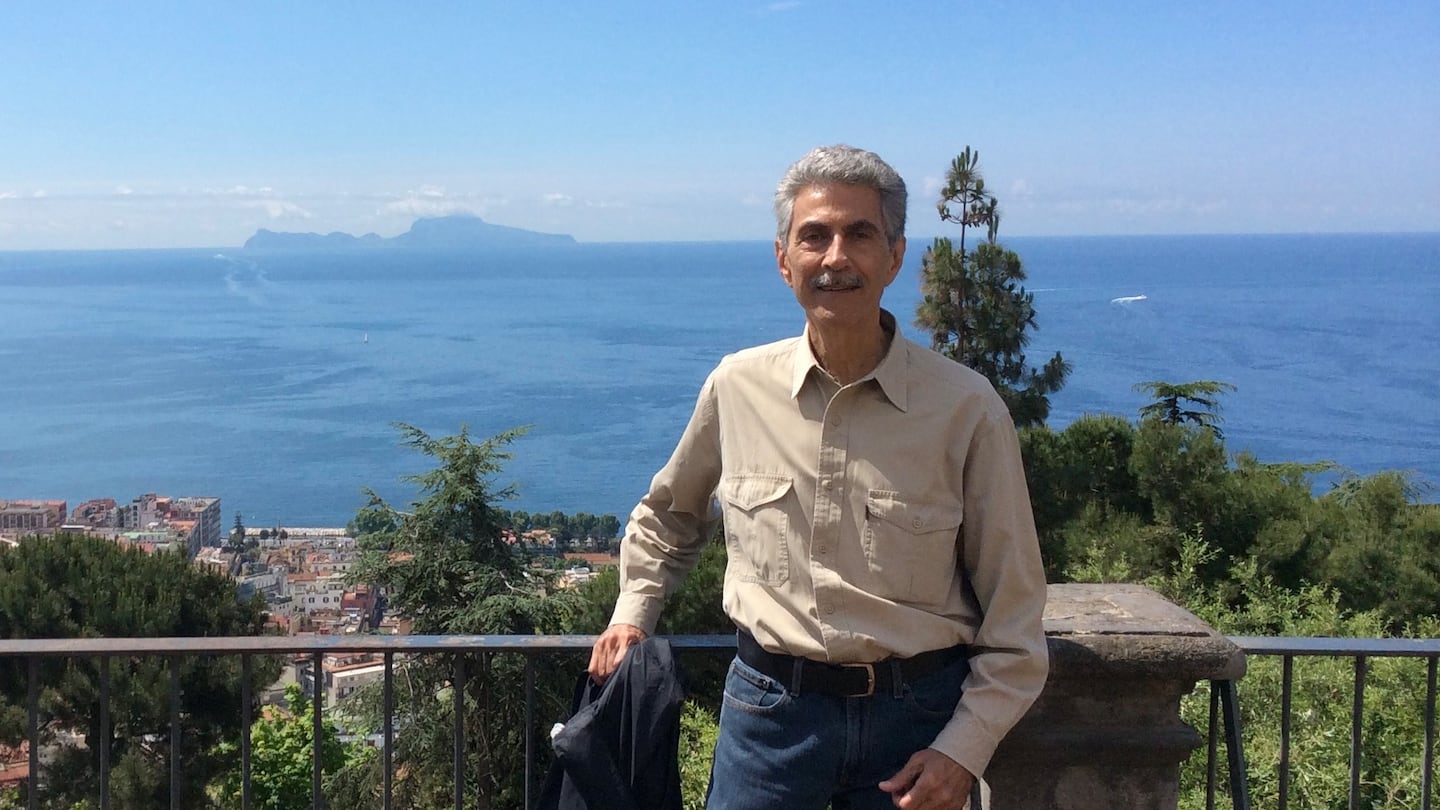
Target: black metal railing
[1225, 724]
[174, 650]
[1225, 711]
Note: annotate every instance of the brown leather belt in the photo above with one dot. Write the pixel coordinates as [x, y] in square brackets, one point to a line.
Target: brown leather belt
[844, 680]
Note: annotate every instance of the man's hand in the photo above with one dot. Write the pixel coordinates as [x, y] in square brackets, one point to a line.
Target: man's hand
[930, 781]
[610, 649]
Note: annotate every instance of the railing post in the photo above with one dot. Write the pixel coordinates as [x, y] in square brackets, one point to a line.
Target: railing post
[389, 742]
[1357, 716]
[1425, 778]
[32, 703]
[317, 727]
[1287, 691]
[1212, 747]
[529, 727]
[246, 719]
[104, 740]
[1235, 747]
[175, 803]
[458, 684]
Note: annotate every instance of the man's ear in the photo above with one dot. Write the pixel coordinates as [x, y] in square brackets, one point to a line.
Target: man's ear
[782, 263]
[897, 258]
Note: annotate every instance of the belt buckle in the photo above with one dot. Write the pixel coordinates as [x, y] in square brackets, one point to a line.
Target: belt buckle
[869, 680]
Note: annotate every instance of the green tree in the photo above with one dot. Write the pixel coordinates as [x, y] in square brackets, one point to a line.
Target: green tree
[236, 541]
[1195, 402]
[1083, 470]
[77, 586]
[445, 565]
[975, 306]
[282, 757]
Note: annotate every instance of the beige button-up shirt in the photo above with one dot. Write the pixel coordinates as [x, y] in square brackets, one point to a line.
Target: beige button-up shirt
[882, 518]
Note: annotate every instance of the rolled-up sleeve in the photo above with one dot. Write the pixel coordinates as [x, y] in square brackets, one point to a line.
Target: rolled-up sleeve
[1009, 662]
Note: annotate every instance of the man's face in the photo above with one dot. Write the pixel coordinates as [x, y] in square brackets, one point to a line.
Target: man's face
[837, 260]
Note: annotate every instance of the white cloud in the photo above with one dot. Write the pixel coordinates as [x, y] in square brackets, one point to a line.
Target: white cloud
[276, 209]
[427, 207]
[431, 191]
[9, 195]
[558, 199]
[124, 191]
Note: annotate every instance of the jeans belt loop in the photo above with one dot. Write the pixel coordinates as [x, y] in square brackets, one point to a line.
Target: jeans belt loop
[797, 672]
[897, 680]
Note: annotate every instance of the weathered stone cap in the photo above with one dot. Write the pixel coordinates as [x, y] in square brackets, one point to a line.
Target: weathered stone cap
[1130, 631]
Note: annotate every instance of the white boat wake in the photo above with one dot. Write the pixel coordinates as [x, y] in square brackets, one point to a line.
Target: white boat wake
[1128, 299]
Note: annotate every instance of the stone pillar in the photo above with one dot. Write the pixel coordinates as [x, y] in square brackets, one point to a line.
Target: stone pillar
[1106, 732]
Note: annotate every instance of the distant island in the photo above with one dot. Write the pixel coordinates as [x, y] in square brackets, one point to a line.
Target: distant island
[454, 232]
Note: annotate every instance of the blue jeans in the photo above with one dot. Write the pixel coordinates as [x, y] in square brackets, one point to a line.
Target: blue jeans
[808, 751]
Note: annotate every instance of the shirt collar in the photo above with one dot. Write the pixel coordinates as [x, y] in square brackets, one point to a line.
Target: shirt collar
[891, 375]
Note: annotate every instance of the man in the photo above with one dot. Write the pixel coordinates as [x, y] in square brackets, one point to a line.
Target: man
[882, 569]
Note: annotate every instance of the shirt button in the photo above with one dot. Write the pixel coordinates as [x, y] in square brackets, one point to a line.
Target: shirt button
[835, 420]
[823, 549]
[917, 523]
[829, 609]
[827, 484]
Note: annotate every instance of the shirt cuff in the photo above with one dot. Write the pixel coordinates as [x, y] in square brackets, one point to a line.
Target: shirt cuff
[968, 745]
[638, 610]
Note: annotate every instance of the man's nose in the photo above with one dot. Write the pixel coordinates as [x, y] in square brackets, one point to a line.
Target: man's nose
[837, 253]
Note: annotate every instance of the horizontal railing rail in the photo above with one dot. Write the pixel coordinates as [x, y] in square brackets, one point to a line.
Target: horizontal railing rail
[1225, 717]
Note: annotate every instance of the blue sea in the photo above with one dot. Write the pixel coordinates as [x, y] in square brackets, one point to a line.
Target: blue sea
[272, 380]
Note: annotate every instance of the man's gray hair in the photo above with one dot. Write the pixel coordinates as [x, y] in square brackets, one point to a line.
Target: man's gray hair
[849, 166]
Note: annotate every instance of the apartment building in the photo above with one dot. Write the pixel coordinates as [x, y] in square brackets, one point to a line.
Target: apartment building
[199, 517]
[31, 517]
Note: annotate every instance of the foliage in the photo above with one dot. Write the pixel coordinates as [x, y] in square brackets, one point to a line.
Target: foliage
[1393, 728]
[568, 530]
[699, 729]
[444, 564]
[975, 306]
[77, 586]
[1084, 469]
[1195, 402]
[282, 757]
[1120, 496]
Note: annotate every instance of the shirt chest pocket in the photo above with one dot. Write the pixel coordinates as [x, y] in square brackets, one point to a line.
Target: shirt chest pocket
[757, 526]
[911, 548]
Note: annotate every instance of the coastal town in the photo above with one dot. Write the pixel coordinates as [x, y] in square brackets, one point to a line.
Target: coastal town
[301, 573]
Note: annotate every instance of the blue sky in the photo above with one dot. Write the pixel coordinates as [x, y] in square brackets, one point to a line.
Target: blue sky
[192, 124]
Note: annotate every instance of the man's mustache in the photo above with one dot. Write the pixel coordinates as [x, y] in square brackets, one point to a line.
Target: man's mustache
[837, 280]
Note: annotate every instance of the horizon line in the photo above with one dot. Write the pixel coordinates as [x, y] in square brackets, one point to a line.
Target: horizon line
[578, 242]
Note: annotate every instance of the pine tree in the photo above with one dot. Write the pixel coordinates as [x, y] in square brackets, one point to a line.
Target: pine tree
[445, 565]
[77, 586]
[975, 305]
